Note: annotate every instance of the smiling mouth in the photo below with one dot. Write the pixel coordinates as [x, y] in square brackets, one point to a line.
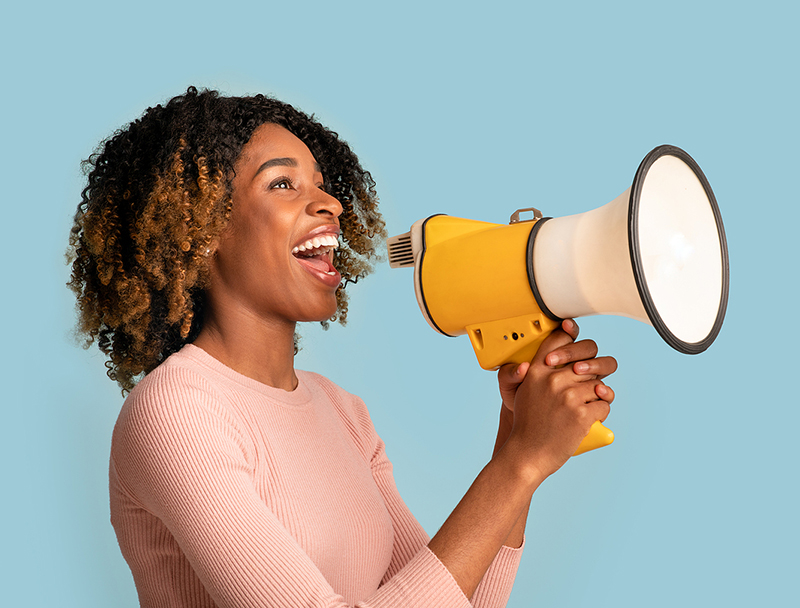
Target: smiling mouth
[317, 254]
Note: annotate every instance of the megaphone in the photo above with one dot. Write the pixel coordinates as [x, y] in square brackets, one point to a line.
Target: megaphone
[656, 253]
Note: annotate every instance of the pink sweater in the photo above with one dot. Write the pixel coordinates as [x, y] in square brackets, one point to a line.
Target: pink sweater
[227, 492]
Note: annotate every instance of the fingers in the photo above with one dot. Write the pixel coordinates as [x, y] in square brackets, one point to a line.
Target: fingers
[511, 374]
[558, 340]
[589, 400]
[600, 393]
[576, 351]
[598, 404]
[600, 407]
[509, 377]
[571, 328]
[553, 343]
[555, 406]
[605, 393]
[601, 410]
[599, 367]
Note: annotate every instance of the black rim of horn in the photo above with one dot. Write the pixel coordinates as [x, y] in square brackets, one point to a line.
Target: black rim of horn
[689, 348]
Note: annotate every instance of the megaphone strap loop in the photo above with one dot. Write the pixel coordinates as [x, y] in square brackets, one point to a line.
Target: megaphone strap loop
[531, 274]
[537, 215]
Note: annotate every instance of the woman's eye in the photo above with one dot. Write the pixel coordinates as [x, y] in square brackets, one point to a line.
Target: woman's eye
[282, 183]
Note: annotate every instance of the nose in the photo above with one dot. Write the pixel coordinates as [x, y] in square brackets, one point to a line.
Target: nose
[325, 204]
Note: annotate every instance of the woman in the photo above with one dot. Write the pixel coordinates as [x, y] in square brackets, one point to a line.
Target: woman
[207, 230]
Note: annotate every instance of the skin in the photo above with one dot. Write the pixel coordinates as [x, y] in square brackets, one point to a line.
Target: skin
[547, 410]
[259, 292]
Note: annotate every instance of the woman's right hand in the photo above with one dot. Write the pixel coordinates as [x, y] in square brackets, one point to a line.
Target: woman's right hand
[560, 398]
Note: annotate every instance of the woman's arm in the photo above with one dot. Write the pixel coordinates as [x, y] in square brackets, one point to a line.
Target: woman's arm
[181, 462]
[551, 408]
[511, 376]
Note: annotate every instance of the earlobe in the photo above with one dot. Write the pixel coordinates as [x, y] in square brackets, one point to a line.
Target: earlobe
[211, 249]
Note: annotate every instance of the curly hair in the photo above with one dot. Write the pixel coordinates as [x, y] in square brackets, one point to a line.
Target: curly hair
[158, 195]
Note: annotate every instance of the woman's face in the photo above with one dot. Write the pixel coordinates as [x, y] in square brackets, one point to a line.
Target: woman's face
[275, 258]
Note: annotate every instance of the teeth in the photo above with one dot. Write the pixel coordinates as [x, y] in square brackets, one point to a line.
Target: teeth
[326, 240]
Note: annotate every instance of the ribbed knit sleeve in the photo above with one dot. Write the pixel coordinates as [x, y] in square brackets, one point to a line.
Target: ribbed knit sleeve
[496, 585]
[198, 501]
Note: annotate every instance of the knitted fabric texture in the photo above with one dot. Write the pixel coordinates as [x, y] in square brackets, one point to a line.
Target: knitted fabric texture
[226, 492]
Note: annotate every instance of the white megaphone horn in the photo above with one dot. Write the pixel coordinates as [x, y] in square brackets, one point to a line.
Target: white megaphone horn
[656, 253]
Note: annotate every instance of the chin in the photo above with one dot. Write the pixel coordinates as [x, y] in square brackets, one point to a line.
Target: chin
[320, 315]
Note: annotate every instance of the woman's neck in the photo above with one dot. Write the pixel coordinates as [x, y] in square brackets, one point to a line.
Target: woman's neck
[254, 347]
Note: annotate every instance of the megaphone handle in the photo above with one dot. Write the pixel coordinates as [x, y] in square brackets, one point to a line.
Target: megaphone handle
[492, 347]
[599, 436]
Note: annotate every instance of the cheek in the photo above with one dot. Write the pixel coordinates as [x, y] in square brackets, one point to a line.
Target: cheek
[237, 256]
[266, 223]
[252, 232]
[256, 244]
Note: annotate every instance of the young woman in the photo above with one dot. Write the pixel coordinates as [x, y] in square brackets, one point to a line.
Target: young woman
[208, 229]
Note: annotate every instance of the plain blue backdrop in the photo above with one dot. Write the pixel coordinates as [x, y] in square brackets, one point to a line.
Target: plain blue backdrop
[471, 109]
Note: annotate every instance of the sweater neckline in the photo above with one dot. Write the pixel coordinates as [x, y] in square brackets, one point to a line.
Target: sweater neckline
[299, 396]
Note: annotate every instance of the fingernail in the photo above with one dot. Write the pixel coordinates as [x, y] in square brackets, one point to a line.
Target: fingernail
[552, 360]
[581, 367]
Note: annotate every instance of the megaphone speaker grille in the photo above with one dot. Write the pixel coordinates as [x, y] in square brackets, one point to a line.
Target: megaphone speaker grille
[678, 249]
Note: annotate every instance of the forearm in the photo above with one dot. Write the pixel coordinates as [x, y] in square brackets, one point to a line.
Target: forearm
[491, 514]
[547, 409]
[517, 535]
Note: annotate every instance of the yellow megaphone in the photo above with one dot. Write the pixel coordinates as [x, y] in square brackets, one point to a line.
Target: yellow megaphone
[657, 253]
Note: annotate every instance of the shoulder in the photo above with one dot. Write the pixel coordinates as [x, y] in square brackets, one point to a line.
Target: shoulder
[348, 404]
[350, 408]
[177, 384]
[174, 404]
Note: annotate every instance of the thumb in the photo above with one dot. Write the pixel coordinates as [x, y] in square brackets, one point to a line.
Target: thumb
[511, 375]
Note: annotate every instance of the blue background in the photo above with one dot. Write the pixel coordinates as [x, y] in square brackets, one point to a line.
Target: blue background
[471, 109]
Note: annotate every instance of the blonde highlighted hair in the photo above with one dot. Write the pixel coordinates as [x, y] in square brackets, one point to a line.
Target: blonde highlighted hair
[158, 195]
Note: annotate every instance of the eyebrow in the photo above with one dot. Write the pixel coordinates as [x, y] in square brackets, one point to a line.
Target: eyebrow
[283, 162]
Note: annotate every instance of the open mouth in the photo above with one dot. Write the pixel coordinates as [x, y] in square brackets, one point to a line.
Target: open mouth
[317, 254]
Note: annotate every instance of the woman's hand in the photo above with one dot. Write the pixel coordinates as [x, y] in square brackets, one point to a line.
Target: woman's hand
[548, 407]
[563, 397]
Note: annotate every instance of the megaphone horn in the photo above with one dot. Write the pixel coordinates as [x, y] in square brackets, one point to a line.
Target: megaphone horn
[657, 253]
